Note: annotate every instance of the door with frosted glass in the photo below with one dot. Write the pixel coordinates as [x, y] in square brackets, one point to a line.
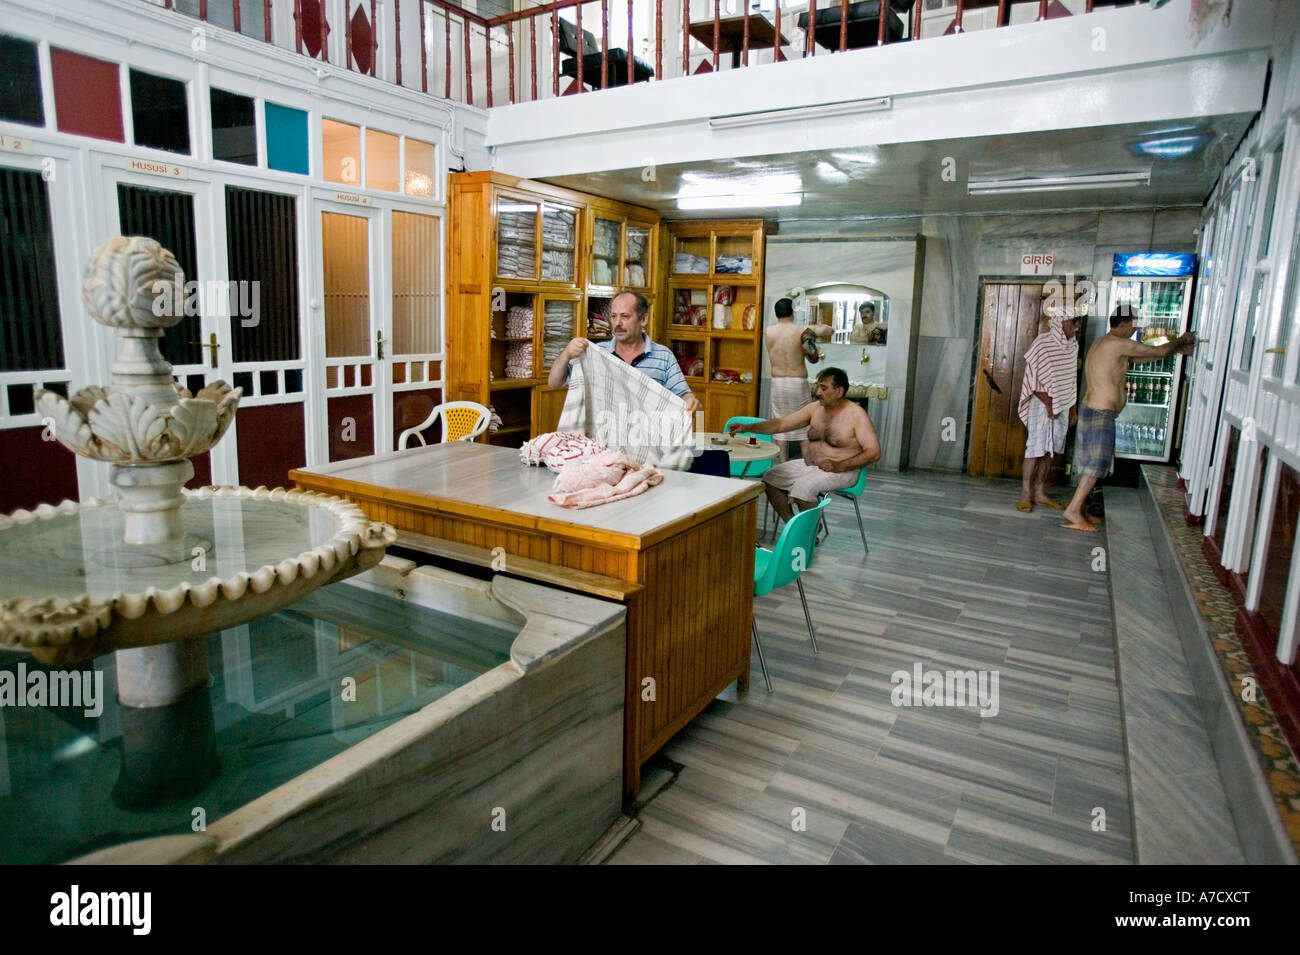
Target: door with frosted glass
[412, 369]
[352, 334]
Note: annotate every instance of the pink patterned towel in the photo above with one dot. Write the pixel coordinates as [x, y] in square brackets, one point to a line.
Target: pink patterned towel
[555, 449]
[601, 478]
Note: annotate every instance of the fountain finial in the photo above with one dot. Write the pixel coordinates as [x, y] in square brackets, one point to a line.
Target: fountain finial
[142, 424]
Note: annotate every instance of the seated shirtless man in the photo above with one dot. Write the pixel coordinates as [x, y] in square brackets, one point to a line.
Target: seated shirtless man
[1105, 369]
[841, 440]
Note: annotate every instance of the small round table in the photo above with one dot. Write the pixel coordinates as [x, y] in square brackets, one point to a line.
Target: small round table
[739, 449]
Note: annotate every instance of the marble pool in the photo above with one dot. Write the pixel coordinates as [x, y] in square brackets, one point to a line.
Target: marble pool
[411, 714]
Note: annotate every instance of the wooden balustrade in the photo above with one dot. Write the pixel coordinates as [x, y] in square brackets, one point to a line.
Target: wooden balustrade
[499, 38]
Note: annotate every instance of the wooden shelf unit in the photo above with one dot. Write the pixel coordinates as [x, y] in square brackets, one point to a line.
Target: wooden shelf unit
[702, 348]
[518, 243]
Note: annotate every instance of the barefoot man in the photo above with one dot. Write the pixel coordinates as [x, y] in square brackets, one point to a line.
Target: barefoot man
[1047, 399]
[841, 440]
[1104, 368]
[789, 373]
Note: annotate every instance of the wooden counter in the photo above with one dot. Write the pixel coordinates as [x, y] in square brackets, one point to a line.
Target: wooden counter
[686, 546]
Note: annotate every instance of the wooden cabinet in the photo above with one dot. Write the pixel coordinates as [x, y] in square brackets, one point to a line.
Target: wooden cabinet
[521, 262]
[713, 312]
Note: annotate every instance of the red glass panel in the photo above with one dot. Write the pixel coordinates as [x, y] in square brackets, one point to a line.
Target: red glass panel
[87, 95]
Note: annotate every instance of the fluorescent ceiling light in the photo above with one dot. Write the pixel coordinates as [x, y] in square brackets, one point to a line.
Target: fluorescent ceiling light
[843, 108]
[753, 200]
[1115, 180]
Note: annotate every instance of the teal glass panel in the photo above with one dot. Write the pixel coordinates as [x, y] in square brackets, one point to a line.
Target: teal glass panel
[286, 139]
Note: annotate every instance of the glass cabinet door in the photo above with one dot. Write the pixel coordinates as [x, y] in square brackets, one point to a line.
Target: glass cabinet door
[691, 255]
[516, 239]
[637, 255]
[559, 326]
[734, 255]
[605, 237]
[559, 243]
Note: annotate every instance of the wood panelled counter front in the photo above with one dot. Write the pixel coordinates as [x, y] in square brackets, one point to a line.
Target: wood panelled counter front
[686, 549]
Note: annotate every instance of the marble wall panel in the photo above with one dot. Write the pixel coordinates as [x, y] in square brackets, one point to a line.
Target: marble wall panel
[942, 390]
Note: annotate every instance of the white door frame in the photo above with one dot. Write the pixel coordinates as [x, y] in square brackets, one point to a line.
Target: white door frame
[380, 387]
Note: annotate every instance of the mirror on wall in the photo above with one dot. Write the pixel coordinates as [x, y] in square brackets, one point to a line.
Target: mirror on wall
[858, 314]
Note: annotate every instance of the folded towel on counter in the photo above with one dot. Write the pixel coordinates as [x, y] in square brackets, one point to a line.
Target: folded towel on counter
[555, 449]
[601, 479]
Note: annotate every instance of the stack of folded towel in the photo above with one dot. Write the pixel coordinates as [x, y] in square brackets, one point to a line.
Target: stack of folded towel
[684, 262]
[735, 264]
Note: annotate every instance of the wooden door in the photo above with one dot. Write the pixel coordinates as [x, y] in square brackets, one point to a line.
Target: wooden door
[1012, 315]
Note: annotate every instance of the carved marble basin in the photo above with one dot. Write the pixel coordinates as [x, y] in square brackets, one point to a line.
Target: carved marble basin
[70, 589]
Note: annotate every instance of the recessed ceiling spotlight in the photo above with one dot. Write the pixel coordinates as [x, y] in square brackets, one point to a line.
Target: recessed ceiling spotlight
[1170, 147]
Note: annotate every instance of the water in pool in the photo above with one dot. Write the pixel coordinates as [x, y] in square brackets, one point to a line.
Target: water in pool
[288, 692]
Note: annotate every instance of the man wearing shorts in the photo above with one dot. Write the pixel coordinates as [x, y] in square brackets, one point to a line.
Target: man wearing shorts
[789, 373]
[841, 441]
[1047, 398]
[1105, 369]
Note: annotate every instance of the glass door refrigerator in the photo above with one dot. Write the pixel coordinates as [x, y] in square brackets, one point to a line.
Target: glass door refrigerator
[1158, 285]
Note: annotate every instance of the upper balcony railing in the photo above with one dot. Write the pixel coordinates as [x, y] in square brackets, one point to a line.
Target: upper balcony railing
[555, 49]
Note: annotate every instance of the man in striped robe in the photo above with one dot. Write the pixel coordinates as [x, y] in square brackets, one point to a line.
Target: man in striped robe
[1047, 399]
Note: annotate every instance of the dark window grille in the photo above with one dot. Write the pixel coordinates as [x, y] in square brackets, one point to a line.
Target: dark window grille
[20, 82]
[168, 217]
[262, 248]
[234, 128]
[160, 112]
[31, 336]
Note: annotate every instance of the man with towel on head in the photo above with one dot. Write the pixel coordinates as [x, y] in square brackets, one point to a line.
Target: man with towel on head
[1047, 399]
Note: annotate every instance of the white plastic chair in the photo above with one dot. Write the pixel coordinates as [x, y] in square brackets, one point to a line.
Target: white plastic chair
[461, 421]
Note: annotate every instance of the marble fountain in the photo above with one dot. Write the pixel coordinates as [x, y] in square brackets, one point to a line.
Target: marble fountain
[259, 708]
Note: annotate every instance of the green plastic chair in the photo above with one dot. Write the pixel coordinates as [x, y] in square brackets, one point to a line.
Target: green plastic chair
[851, 494]
[774, 568]
[748, 468]
[751, 469]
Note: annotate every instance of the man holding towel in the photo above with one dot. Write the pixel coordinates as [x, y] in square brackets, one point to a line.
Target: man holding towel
[1047, 399]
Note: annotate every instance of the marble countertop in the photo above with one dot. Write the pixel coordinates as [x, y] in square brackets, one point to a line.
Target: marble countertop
[459, 473]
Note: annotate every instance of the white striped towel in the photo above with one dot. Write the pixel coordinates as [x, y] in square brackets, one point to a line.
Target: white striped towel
[618, 406]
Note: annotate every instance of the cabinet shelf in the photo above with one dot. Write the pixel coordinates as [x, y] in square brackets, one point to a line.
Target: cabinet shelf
[506, 384]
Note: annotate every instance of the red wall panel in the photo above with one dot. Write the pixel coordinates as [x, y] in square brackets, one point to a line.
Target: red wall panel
[272, 442]
[38, 472]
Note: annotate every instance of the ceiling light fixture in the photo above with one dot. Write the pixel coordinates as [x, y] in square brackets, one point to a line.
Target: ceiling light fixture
[752, 200]
[1114, 180]
[843, 108]
[1172, 147]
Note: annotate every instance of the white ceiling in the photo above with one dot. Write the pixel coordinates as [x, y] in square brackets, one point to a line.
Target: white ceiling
[909, 179]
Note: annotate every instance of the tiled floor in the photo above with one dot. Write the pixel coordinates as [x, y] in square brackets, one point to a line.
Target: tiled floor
[828, 769]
